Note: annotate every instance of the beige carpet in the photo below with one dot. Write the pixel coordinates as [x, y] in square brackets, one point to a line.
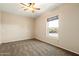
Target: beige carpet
[31, 47]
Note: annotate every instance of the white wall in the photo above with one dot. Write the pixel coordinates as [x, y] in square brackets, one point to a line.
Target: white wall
[0, 27]
[68, 27]
[16, 27]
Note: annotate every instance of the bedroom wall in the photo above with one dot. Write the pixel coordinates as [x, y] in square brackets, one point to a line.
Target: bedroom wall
[0, 27]
[68, 27]
[16, 27]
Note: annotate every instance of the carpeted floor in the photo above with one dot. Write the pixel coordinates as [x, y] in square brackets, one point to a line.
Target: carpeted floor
[31, 47]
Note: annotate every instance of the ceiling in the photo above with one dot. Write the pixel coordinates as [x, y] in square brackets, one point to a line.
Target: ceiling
[16, 8]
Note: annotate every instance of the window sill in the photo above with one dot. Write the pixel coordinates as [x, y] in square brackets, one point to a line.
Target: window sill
[54, 37]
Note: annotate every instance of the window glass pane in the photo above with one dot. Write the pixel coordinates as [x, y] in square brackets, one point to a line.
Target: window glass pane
[53, 27]
[53, 23]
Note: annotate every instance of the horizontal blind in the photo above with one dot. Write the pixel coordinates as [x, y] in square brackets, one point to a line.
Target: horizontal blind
[52, 18]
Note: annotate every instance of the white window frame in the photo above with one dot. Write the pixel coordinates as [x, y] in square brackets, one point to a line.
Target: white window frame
[49, 19]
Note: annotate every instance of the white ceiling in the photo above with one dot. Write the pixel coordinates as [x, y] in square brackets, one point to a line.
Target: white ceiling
[16, 8]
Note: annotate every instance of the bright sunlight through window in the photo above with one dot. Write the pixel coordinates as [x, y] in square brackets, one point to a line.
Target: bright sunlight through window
[53, 27]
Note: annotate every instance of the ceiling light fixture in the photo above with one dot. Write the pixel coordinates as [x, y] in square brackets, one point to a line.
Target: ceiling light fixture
[29, 6]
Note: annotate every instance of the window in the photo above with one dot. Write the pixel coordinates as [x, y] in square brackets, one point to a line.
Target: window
[53, 26]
